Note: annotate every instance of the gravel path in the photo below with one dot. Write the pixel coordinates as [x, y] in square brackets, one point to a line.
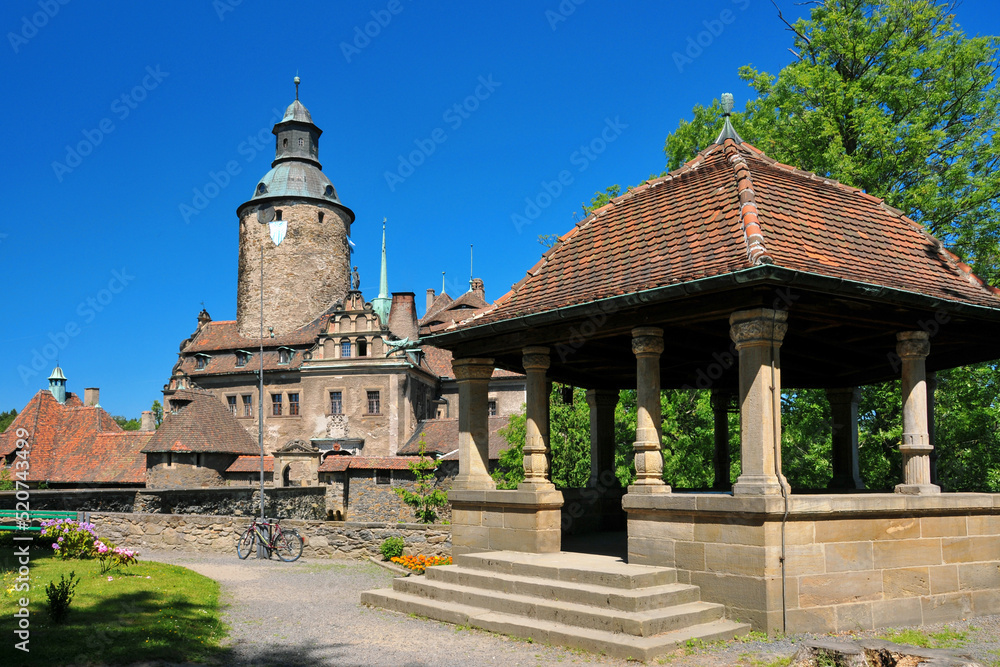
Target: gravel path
[307, 613]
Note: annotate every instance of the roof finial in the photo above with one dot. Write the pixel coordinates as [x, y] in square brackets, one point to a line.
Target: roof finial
[442, 282]
[728, 131]
[297, 80]
[471, 271]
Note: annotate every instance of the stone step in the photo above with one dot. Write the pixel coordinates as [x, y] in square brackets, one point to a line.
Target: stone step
[627, 599]
[553, 632]
[638, 623]
[570, 567]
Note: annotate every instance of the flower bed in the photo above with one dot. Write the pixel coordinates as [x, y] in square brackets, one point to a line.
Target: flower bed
[419, 563]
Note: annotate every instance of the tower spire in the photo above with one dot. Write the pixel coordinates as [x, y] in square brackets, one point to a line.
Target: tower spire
[297, 81]
[382, 302]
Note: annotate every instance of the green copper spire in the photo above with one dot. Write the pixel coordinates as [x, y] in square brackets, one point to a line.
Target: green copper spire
[382, 302]
[57, 384]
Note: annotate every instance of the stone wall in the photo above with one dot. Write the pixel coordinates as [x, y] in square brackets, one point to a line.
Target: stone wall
[218, 534]
[185, 470]
[299, 502]
[852, 562]
[367, 500]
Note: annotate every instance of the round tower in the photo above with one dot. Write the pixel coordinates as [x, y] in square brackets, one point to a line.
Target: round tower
[310, 270]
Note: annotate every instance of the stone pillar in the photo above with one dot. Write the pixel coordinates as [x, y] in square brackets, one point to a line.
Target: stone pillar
[931, 391]
[473, 377]
[913, 348]
[720, 460]
[758, 334]
[536, 437]
[647, 344]
[602, 404]
[844, 413]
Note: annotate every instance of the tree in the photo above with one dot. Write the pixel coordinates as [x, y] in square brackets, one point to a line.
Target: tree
[157, 413]
[6, 418]
[424, 499]
[889, 96]
[127, 424]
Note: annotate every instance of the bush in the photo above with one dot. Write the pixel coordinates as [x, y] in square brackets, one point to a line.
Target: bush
[114, 558]
[60, 596]
[392, 547]
[71, 539]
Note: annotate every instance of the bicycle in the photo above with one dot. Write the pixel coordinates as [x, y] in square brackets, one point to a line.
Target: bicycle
[286, 543]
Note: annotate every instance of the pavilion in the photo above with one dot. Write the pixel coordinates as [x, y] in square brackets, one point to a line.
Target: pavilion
[741, 275]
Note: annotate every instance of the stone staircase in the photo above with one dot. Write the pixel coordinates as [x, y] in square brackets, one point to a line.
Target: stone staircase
[595, 603]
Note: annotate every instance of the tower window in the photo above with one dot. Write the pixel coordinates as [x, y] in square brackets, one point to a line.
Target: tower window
[320, 214]
[261, 189]
[284, 143]
[300, 142]
[277, 214]
[336, 403]
[362, 348]
[329, 191]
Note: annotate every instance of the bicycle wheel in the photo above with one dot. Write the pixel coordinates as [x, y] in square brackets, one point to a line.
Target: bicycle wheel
[288, 545]
[245, 544]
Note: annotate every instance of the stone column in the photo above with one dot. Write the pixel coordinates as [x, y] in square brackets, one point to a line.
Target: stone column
[913, 348]
[758, 334]
[602, 404]
[536, 438]
[720, 460]
[931, 391]
[844, 413]
[473, 377]
[647, 344]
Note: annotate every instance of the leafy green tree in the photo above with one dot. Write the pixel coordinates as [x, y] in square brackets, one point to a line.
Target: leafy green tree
[889, 96]
[806, 438]
[157, 413]
[127, 424]
[6, 418]
[510, 468]
[967, 425]
[425, 499]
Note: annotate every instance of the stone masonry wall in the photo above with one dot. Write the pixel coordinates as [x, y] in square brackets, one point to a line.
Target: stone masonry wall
[369, 501]
[218, 534]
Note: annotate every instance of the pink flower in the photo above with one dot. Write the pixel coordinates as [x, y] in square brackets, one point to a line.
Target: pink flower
[55, 546]
[111, 578]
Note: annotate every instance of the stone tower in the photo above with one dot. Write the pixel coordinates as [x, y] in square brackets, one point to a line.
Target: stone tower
[310, 270]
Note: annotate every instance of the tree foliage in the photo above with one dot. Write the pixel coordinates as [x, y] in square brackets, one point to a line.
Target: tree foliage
[6, 418]
[425, 499]
[127, 424]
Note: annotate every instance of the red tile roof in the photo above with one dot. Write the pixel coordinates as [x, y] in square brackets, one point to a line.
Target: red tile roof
[441, 437]
[446, 310]
[340, 462]
[733, 208]
[251, 464]
[203, 424]
[70, 443]
[223, 335]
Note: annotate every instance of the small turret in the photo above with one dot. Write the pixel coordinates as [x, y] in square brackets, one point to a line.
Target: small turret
[57, 384]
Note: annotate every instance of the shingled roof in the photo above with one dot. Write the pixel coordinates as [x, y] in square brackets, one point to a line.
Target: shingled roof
[341, 462]
[200, 424]
[70, 443]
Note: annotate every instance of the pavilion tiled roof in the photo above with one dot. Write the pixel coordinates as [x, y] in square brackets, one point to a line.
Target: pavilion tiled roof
[251, 464]
[340, 463]
[440, 436]
[733, 208]
[202, 424]
[70, 443]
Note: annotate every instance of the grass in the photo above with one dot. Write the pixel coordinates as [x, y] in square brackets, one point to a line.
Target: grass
[945, 638]
[151, 611]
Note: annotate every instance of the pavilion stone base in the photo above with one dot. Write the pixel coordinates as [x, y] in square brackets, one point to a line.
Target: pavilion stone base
[516, 520]
[854, 562]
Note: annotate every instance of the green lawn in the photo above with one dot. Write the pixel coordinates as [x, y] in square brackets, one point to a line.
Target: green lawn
[151, 611]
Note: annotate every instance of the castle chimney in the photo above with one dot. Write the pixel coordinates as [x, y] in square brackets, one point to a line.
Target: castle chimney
[403, 315]
[148, 423]
[430, 299]
[91, 396]
[478, 288]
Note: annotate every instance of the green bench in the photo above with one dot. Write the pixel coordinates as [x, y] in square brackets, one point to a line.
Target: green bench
[9, 518]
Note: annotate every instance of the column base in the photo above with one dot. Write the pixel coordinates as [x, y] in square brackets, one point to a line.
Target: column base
[918, 489]
[649, 488]
[846, 482]
[473, 483]
[757, 485]
[536, 486]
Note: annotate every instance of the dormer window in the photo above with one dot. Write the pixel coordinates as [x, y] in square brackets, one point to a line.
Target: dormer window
[201, 361]
[242, 357]
[285, 355]
[261, 189]
[329, 191]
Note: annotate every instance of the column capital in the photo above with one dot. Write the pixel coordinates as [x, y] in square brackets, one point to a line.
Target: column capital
[472, 368]
[602, 397]
[913, 344]
[647, 340]
[759, 326]
[843, 395]
[535, 358]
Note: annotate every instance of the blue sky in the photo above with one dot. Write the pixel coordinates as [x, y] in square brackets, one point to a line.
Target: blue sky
[134, 130]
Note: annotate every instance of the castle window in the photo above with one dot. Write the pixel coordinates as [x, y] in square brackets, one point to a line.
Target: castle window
[284, 355]
[247, 405]
[336, 403]
[242, 358]
[320, 215]
[231, 402]
[374, 403]
[284, 143]
[329, 191]
[383, 476]
[301, 143]
[362, 347]
[276, 405]
[345, 349]
[200, 361]
[261, 189]
[493, 408]
[277, 214]
[293, 404]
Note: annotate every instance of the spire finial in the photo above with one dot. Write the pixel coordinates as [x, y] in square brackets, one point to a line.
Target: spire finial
[442, 282]
[471, 271]
[297, 81]
[727, 103]
[728, 131]
[382, 303]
